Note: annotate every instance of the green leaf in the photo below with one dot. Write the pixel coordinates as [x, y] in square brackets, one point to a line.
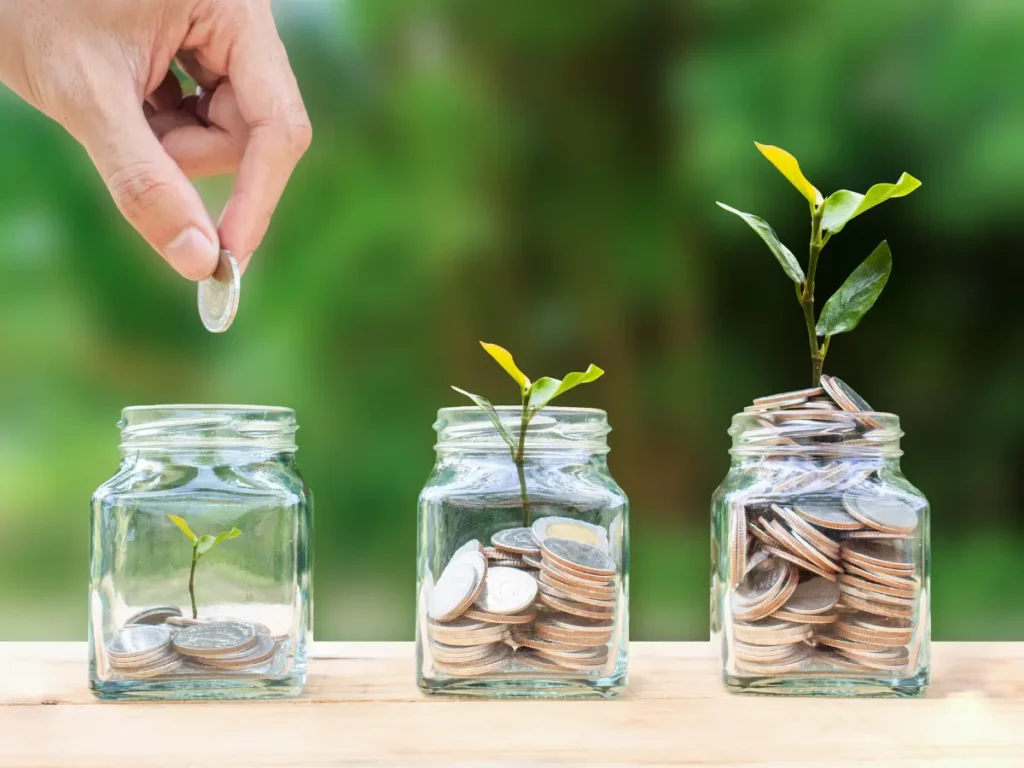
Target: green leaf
[857, 295]
[180, 522]
[504, 358]
[484, 405]
[547, 389]
[785, 256]
[206, 543]
[843, 205]
[790, 168]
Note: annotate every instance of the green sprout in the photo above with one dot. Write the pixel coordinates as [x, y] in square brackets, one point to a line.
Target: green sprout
[829, 215]
[535, 395]
[200, 546]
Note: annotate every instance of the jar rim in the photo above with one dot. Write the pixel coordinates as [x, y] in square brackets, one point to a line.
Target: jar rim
[802, 432]
[200, 426]
[553, 430]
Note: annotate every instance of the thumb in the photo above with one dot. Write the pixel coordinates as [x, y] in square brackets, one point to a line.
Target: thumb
[153, 193]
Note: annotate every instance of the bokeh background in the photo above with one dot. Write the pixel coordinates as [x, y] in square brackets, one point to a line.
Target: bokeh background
[543, 175]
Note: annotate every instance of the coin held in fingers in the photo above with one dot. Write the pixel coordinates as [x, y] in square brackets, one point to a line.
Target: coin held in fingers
[219, 294]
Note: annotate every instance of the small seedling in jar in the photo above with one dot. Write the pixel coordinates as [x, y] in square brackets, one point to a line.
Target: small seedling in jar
[200, 546]
[534, 395]
[829, 215]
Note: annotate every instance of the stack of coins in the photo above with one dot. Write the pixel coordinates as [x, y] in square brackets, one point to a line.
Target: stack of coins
[159, 640]
[238, 646]
[143, 650]
[543, 597]
[820, 551]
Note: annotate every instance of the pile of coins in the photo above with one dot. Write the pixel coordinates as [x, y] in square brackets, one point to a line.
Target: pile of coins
[821, 566]
[159, 641]
[543, 597]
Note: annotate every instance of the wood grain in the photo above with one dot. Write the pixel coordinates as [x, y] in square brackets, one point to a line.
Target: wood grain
[362, 707]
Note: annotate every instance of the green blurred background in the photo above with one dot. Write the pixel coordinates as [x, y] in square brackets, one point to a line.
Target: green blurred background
[543, 175]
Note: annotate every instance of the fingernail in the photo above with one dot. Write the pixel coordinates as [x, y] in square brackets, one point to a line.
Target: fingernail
[193, 254]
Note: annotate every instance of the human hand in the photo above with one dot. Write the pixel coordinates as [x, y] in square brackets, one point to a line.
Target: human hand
[101, 68]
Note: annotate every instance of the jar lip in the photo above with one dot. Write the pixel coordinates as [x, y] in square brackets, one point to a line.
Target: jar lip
[468, 429]
[809, 431]
[156, 427]
[548, 409]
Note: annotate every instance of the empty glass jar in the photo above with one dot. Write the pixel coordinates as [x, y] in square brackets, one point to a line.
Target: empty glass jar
[522, 568]
[820, 556]
[200, 567]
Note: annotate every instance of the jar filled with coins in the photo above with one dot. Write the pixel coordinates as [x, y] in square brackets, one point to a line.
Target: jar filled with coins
[820, 572]
[522, 568]
[200, 565]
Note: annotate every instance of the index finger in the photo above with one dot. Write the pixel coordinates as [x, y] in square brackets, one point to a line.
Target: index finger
[279, 131]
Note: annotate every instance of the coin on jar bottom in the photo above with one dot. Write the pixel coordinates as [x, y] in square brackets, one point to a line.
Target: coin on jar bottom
[490, 663]
[216, 638]
[534, 659]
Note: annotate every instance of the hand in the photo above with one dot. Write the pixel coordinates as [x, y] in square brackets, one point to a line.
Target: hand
[100, 68]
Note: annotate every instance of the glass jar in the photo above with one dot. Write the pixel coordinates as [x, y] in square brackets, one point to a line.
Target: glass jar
[522, 569]
[820, 558]
[200, 564]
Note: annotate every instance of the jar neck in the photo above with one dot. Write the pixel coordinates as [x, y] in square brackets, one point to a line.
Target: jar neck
[816, 434]
[552, 433]
[166, 430]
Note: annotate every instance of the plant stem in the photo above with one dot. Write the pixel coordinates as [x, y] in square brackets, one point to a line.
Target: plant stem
[192, 584]
[518, 458]
[807, 297]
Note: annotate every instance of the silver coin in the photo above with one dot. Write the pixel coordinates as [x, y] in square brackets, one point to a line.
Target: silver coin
[138, 640]
[815, 595]
[219, 294]
[518, 540]
[155, 615]
[888, 515]
[761, 583]
[260, 653]
[215, 638]
[163, 667]
[506, 591]
[459, 584]
[159, 656]
[578, 555]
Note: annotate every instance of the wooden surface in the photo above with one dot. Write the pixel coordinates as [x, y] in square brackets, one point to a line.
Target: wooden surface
[362, 707]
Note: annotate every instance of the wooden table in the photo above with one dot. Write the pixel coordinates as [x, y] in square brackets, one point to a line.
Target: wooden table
[361, 707]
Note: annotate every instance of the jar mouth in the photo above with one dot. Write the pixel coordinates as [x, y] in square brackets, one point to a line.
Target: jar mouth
[207, 426]
[815, 432]
[552, 430]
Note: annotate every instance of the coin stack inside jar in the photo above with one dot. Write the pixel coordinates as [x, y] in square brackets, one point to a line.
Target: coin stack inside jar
[159, 641]
[822, 569]
[543, 597]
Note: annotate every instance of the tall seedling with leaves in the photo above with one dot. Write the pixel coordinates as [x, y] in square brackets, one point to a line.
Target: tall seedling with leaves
[200, 546]
[534, 395]
[829, 215]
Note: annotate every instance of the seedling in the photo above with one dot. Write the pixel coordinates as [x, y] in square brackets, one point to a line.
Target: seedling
[200, 546]
[534, 395]
[829, 215]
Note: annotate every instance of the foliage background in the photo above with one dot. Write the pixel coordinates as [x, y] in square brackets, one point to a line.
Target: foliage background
[543, 175]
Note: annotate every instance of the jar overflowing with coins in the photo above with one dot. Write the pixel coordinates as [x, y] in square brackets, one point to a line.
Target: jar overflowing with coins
[522, 568]
[200, 566]
[820, 572]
